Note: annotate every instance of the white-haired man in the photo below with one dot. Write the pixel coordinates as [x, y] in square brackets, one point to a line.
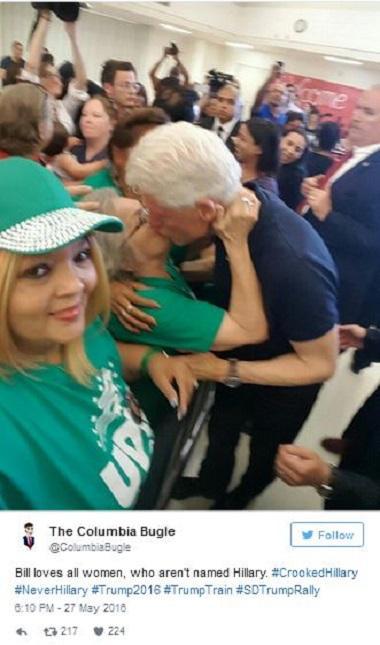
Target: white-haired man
[183, 173]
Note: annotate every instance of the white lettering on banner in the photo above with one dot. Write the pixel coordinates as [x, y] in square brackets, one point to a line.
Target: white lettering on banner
[328, 98]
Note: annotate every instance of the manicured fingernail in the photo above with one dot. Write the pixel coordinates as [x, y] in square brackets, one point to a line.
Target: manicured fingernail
[196, 385]
[180, 415]
[173, 403]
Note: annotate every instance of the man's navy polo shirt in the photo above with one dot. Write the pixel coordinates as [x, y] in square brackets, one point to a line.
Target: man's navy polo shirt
[265, 113]
[297, 276]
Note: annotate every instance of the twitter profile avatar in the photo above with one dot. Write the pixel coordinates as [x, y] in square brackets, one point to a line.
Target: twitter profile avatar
[28, 537]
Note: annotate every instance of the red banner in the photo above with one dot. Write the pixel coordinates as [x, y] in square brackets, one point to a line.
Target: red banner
[329, 98]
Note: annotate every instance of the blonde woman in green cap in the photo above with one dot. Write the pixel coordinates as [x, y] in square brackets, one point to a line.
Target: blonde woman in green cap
[71, 435]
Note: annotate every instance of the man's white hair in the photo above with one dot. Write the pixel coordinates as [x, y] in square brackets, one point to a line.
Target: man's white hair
[179, 163]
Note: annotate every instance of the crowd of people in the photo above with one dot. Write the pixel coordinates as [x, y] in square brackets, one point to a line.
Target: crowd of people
[113, 214]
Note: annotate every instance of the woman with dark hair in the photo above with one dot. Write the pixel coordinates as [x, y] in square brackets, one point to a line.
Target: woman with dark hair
[293, 150]
[256, 148]
[320, 160]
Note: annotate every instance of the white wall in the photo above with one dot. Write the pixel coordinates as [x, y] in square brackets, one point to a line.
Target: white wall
[100, 38]
[103, 37]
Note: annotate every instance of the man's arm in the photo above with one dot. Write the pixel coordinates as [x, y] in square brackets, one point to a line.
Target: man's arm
[260, 96]
[153, 72]
[340, 230]
[182, 70]
[78, 63]
[32, 65]
[245, 323]
[314, 361]
[299, 466]
[365, 340]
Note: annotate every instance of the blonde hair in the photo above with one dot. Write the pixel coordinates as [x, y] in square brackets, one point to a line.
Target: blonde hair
[116, 251]
[74, 356]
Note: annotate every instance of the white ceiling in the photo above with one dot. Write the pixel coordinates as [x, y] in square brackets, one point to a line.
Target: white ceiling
[349, 29]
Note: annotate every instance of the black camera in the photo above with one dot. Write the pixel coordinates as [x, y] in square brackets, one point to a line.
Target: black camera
[173, 49]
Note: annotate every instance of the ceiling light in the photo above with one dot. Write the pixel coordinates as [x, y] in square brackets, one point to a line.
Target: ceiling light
[172, 28]
[346, 61]
[238, 45]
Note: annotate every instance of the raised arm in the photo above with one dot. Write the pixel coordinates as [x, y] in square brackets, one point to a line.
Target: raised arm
[77, 59]
[153, 72]
[37, 42]
[260, 96]
[182, 69]
[245, 323]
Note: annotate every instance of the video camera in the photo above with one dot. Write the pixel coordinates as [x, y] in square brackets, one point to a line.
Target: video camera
[217, 79]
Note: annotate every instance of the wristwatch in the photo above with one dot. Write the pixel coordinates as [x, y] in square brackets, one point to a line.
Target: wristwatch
[326, 490]
[232, 379]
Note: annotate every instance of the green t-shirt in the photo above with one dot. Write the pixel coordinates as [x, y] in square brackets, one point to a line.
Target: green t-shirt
[183, 323]
[101, 179]
[67, 446]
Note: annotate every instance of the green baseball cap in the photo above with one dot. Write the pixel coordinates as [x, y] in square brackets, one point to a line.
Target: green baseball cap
[37, 214]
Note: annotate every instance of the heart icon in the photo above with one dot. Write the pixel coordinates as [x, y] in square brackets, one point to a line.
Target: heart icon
[98, 631]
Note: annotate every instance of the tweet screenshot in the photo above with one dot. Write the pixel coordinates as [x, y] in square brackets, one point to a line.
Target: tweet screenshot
[112, 577]
[189, 322]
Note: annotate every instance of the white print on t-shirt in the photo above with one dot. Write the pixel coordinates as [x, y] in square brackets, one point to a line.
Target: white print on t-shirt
[110, 403]
[127, 446]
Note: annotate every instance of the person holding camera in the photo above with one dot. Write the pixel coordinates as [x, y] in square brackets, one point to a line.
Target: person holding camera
[178, 74]
[174, 95]
[271, 97]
